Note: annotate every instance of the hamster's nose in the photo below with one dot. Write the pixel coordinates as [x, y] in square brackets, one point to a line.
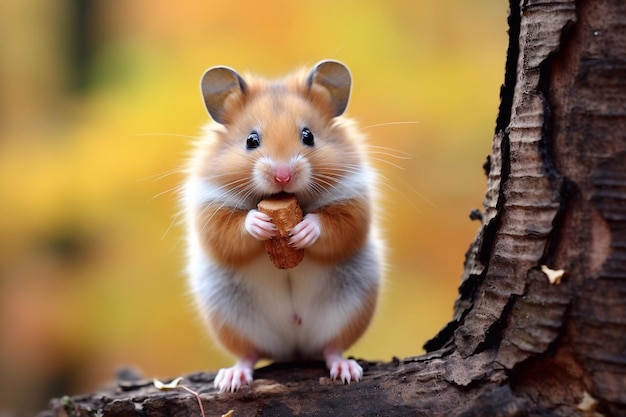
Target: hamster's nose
[282, 174]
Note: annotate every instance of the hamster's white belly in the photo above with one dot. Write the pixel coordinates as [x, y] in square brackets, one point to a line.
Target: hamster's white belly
[287, 314]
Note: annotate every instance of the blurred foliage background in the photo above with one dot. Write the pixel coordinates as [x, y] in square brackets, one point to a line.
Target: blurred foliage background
[99, 102]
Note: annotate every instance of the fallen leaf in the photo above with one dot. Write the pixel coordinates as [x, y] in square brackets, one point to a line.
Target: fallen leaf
[171, 385]
[554, 276]
[588, 403]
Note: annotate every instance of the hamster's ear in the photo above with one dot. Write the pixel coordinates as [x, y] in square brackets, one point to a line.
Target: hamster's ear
[335, 78]
[217, 84]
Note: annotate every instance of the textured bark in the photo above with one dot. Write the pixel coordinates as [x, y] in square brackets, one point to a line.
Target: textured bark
[517, 344]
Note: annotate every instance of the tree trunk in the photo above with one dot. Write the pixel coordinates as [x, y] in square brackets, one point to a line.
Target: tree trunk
[556, 198]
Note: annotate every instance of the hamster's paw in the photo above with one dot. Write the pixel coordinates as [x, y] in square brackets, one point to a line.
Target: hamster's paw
[259, 225]
[347, 370]
[306, 233]
[233, 378]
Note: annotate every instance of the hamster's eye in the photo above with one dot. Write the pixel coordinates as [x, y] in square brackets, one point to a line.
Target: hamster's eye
[307, 137]
[253, 141]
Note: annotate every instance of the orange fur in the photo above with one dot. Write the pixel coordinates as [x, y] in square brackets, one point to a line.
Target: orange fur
[232, 340]
[358, 324]
[223, 235]
[344, 230]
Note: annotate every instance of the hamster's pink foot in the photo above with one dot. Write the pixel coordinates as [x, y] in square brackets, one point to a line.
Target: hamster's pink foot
[347, 370]
[233, 378]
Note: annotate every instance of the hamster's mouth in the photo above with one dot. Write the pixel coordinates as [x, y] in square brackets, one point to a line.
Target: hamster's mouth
[279, 195]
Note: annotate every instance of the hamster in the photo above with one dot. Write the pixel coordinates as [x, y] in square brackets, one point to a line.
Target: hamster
[272, 136]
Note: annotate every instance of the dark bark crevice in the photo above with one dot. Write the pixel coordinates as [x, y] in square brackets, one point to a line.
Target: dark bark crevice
[510, 68]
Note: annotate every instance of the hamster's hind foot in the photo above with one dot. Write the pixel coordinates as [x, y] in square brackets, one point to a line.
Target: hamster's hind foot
[233, 378]
[347, 370]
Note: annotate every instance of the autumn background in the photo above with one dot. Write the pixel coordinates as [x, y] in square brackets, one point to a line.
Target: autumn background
[99, 102]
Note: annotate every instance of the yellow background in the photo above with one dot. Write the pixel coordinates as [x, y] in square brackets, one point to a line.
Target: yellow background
[97, 119]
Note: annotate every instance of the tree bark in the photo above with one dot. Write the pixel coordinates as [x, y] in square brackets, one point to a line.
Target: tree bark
[517, 345]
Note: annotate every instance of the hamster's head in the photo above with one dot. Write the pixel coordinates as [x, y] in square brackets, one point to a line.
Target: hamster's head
[280, 136]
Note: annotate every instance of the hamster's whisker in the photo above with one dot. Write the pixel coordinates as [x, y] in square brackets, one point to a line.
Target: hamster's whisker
[392, 151]
[243, 193]
[233, 191]
[316, 189]
[336, 170]
[390, 124]
[390, 155]
[175, 189]
[372, 158]
[329, 182]
[176, 219]
[227, 187]
[161, 175]
[250, 188]
[386, 182]
[211, 178]
[341, 167]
